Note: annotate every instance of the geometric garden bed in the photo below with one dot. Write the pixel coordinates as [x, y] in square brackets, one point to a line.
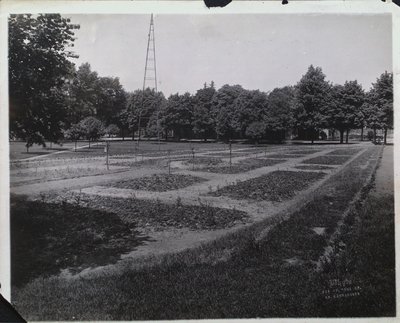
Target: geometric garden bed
[274, 186]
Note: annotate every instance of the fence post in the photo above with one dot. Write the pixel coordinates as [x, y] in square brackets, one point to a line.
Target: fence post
[169, 162]
[106, 148]
[192, 158]
[230, 154]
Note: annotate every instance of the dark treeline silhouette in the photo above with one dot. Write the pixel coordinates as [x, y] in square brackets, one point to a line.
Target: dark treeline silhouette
[51, 100]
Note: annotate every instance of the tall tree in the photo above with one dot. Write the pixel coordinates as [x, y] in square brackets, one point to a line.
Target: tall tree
[224, 110]
[380, 114]
[203, 122]
[83, 94]
[278, 116]
[344, 110]
[249, 107]
[312, 97]
[93, 128]
[111, 99]
[178, 115]
[38, 70]
[140, 107]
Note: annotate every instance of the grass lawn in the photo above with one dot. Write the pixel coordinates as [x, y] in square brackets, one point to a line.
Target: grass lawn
[364, 258]
[18, 150]
[275, 186]
[158, 182]
[270, 275]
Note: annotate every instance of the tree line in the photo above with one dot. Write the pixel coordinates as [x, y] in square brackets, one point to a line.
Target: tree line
[51, 100]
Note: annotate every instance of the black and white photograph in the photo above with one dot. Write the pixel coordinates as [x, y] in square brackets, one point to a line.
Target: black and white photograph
[188, 166]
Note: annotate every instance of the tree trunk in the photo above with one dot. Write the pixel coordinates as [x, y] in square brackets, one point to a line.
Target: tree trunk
[347, 136]
[133, 134]
[374, 135]
[27, 148]
[384, 136]
[75, 146]
[89, 143]
[341, 136]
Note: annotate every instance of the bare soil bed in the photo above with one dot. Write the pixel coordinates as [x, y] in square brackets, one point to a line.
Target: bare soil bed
[244, 165]
[327, 160]
[158, 182]
[275, 186]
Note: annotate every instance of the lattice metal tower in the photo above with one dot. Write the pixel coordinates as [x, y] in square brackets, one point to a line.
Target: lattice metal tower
[150, 73]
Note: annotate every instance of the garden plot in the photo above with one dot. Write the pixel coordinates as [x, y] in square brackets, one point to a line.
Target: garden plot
[157, 215]
[242, 166]
[284, 156]
[205, 161]
[327, 160]
[345, 151]
[315, 167]
[275, 186]
[227, 154]
[65, 236]
[52, 173]
[302, 151]
[158, 182]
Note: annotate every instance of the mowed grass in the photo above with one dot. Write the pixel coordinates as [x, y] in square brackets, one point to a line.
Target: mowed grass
[275, 186]
[262, 274]
[365, 257]
[158, 182]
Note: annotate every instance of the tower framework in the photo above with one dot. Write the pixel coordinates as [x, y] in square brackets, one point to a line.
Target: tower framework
[150, 74]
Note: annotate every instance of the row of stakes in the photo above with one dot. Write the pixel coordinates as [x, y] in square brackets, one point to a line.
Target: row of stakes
[107, 149]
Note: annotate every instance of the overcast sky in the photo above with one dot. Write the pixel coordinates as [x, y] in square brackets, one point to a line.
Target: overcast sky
[255, 51]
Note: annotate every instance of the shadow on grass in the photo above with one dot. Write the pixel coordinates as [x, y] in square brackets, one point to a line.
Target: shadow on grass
[46, 238]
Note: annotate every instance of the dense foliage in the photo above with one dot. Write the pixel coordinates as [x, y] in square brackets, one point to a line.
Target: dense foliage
[50, 97]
